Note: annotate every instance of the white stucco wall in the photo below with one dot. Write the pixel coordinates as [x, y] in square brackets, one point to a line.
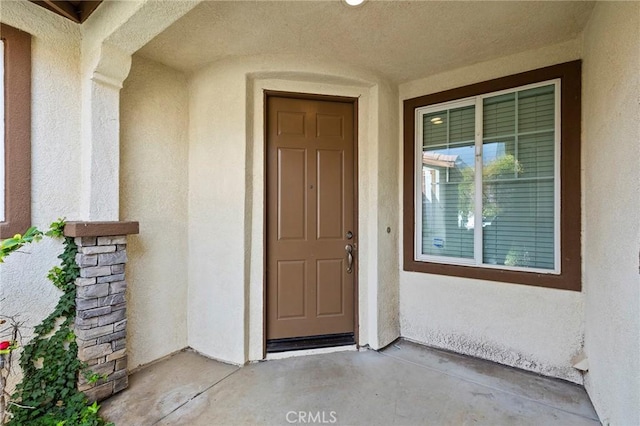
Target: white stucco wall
[611, 160]
[55, 131]
[153, 190]
[384, 174]
[226, 198]
[217, 150]
[537, 329]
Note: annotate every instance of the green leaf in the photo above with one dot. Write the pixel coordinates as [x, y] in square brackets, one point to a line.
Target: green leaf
[56, 229]
[10, 242]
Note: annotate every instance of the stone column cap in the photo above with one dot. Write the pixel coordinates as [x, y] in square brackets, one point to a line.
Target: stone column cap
[101, 229]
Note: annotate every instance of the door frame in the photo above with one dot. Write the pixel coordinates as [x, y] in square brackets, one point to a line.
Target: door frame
[311, 97]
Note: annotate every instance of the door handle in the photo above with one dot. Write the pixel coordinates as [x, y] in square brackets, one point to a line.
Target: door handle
[349, 249]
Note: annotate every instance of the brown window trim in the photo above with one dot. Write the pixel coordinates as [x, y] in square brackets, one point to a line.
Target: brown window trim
[570, 215]
[17, 129]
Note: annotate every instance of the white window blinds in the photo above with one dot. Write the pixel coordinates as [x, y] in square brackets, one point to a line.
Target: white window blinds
[516, 173]
[447, 182]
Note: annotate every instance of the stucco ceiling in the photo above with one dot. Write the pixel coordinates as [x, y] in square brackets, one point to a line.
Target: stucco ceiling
[400, 40]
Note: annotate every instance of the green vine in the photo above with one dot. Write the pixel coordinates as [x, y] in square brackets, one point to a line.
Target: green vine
[48, 392]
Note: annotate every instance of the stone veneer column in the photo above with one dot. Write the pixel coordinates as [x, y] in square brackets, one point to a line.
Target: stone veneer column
[101, 319]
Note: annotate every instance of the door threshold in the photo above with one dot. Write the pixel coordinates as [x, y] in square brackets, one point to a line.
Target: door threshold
[310, 342]
[304, 352]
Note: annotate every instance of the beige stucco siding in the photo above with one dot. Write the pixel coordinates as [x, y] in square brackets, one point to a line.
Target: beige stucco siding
[217, 245]
[611, 128]
[153, 191]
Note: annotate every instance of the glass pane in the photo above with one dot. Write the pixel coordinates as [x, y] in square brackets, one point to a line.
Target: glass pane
[536, 109]
[536, 155]
[498, 115]
[448, 183]
[521, 232]
[518, 183]
[435, 129]
[462, 124]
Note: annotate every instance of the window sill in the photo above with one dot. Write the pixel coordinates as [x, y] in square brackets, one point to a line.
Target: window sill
[558, 281]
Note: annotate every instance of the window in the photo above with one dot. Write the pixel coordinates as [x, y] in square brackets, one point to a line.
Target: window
[15, 112]
[492, 180]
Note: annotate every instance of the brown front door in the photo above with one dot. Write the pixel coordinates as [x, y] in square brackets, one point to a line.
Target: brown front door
[310, 217]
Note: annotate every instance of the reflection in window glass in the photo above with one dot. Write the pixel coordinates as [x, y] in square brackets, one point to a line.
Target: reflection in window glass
[448, 183]
[518, 179]
[516, 140]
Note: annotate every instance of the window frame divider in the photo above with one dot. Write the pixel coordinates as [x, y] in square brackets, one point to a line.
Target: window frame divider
[477, 213]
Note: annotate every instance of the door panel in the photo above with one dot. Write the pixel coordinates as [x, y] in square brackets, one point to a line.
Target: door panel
[330, 126]
[291, 123]
[291, 289]
[330, 183]
[330, 287]
[292, 204]
[310, 209]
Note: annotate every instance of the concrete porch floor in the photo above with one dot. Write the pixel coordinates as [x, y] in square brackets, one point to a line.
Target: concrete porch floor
[405, 384]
